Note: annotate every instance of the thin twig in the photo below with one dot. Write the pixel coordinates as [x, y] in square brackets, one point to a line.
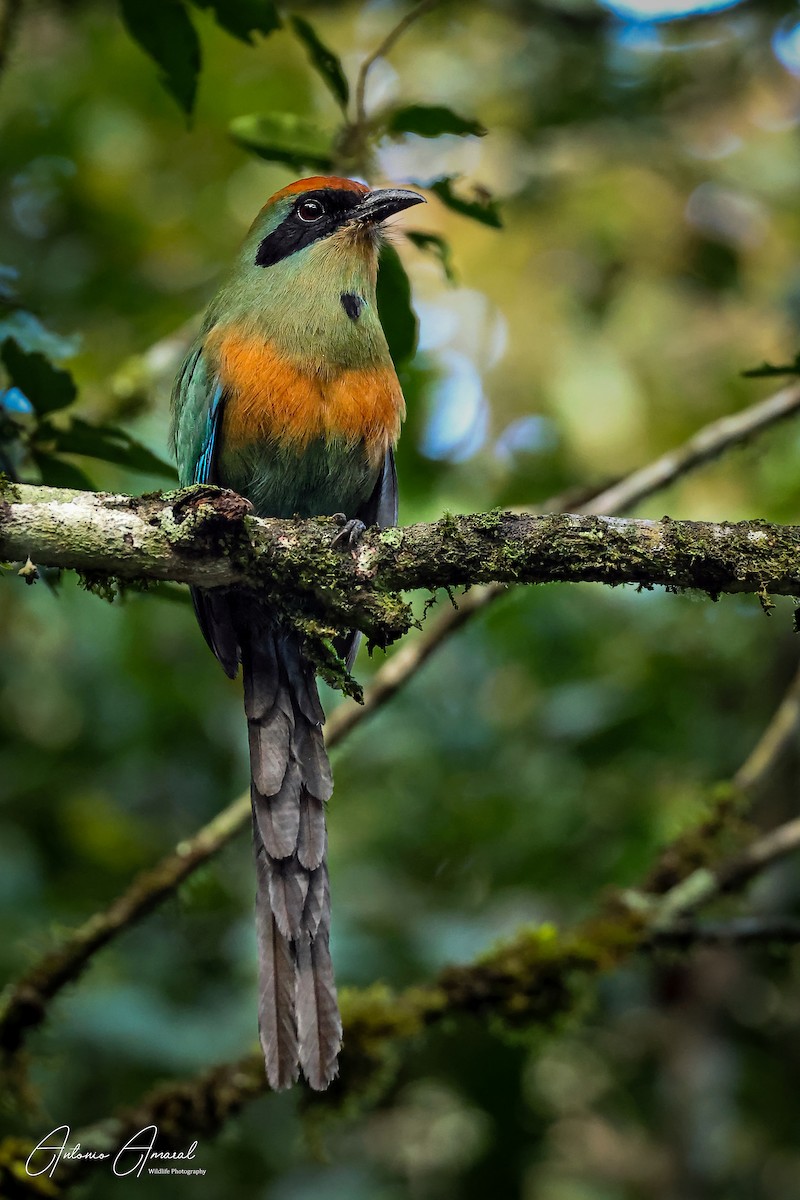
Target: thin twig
[741, 931]
[698, 845]
[781, 731]
[709, 882]
[419, 10]
[770, 848]
[704, 446]
[23, 1006]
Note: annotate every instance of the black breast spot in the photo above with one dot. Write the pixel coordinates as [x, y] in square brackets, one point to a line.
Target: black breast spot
[352, 304]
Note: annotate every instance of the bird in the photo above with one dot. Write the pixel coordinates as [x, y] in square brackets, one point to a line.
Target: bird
[289, 397]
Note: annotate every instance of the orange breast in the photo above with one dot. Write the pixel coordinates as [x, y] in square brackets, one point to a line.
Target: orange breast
[273, 398]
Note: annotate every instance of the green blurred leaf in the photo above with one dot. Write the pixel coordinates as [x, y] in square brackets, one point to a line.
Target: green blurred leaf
[768, 371]
[164, 30]
[483, 209]
[47, 387]
[57, 473]
[285, 138]
[325, 61]
[394, 307]
[435, 244]
[243, 18]
[432, 120]
[108, 443]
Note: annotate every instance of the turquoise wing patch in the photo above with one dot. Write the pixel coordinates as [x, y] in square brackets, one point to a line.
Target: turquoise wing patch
[204, 468]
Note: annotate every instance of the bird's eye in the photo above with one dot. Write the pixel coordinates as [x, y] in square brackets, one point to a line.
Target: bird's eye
[310, 210]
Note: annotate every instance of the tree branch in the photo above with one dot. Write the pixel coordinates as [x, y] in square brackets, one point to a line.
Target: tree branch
[741, 931]
[23, 1006]
[709, 882]
[205, 536]
[380, 51]
[704, 446]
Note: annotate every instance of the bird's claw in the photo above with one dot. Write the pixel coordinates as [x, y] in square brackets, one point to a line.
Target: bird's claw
[351, 532]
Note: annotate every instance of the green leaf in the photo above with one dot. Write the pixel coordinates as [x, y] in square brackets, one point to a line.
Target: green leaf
[435, 244]
[432, 120]
[108, 443]
[47, 387]
[484, 210]
[243, 18]
[57, 473]
[767, 370]
[397, 317]
[325, 61]
[164, 30]
[285, 138]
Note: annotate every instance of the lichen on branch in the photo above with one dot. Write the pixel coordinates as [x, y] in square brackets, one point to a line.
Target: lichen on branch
[209, 537]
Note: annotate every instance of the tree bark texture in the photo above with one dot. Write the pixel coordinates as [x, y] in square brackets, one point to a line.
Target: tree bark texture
[208, 537]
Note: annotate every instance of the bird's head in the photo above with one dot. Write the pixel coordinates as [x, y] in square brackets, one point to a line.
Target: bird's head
[324, 209]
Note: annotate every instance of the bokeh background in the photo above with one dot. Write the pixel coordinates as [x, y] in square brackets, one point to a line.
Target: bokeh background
[647, 163]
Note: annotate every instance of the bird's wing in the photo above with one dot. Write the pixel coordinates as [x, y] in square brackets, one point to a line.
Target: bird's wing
[199, 404]
[192, 400]
[381, 507]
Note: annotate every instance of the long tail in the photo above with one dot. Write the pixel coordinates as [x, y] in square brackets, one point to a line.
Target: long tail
[299, 1020]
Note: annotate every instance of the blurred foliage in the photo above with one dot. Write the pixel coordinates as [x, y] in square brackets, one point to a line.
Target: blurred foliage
[648, 172]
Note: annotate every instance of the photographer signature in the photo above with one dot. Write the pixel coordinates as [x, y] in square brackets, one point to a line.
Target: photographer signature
[130, 1159]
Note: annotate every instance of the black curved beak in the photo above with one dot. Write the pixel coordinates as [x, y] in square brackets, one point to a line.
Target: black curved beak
[385, 202]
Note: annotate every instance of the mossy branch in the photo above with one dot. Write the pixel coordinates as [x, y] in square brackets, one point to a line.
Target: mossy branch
[209, 537]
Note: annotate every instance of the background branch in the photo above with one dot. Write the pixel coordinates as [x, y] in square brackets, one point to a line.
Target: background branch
[380, 51]
[776, 738]
[740, 931]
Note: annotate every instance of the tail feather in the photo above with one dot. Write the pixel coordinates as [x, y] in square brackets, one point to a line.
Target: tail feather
[280, 822]
[270, 748]
[288, 888]
[318, 900]
[319, 1026]
[303, 687]
[262, 679]
[276, 969]
[310, 749]
[312, 838]
[291, 781]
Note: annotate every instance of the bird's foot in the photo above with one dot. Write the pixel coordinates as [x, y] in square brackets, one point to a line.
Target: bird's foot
[351, 532]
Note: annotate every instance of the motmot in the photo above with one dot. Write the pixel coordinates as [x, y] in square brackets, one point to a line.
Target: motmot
[289, 397]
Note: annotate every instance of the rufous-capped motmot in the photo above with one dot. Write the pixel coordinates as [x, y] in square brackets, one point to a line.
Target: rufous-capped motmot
[289, 397]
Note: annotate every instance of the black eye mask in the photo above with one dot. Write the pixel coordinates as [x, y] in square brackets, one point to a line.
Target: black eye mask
[294, 233]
